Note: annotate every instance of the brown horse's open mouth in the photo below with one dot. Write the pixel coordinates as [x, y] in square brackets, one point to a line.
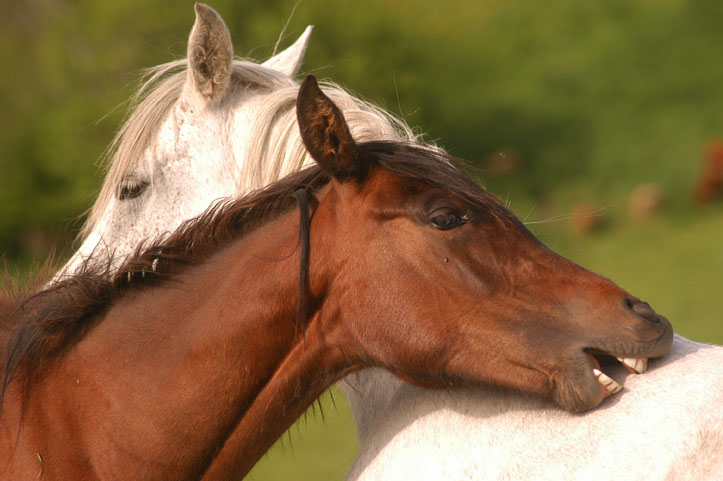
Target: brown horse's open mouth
[583, 384]
[643, 334]
[635, 365]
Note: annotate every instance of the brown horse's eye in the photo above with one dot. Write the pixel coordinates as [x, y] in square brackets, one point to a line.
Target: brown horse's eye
[131, 188]
[448, 221]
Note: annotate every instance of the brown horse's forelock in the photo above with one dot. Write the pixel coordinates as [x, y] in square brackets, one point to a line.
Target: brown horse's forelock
[49, 322]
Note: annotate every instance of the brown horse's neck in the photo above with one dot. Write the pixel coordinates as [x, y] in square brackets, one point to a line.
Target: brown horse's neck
[304, 374]
[185, 381]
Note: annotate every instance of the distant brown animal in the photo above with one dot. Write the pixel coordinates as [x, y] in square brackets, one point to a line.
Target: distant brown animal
[644, 201]
[503, 161]
[709, 186]
[585, 218]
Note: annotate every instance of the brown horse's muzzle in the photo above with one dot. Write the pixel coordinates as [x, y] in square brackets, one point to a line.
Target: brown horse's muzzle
[646, 313]
[650, 331]
[641, 334]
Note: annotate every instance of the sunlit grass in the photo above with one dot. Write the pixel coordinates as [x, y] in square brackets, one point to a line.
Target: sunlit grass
[315, 448]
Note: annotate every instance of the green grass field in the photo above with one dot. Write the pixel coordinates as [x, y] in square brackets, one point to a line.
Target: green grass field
[316, 447]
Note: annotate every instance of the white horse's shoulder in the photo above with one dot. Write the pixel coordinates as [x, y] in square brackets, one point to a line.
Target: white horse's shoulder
[702, 457]
[666, 424]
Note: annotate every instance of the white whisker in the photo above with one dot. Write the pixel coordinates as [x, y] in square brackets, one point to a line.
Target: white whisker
[563, 217]
[531, 209]
[286, 25]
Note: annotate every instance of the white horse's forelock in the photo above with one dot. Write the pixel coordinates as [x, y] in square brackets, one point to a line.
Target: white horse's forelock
[268, 157]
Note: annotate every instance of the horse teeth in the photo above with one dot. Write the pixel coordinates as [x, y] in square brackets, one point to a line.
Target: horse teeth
[609, 385]
[635, 364]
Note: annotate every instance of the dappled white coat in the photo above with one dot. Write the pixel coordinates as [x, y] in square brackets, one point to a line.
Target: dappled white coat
[184, 150]
[187, 145]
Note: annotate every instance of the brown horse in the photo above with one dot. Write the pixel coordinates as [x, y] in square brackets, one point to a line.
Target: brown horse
[192, 359]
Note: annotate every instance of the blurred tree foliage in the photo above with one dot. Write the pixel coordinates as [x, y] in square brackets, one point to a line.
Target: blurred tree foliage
[594, 97]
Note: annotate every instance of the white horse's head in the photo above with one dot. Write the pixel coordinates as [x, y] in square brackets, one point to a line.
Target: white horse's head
[204, 128]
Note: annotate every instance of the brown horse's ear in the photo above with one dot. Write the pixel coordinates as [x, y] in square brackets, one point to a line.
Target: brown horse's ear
[325, 133]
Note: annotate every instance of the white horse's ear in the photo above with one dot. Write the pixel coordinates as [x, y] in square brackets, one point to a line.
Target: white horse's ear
[289, 61]
[210, 54]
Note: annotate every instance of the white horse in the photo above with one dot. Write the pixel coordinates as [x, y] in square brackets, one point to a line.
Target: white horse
[205, 128]
[209, 127]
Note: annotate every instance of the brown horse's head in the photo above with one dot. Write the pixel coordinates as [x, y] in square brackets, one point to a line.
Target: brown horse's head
[436, 281]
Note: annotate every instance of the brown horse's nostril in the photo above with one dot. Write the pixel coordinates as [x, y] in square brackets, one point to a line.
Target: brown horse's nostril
[642, 309]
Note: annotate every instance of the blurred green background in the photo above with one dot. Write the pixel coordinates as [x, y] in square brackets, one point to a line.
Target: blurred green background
[565, 108]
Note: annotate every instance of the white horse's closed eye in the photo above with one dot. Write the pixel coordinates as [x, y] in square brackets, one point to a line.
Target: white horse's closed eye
[189, 143]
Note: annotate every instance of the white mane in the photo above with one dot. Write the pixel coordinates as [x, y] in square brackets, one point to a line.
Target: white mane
[268, 157]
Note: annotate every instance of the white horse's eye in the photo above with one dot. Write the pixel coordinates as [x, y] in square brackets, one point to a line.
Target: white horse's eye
[131, 188]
